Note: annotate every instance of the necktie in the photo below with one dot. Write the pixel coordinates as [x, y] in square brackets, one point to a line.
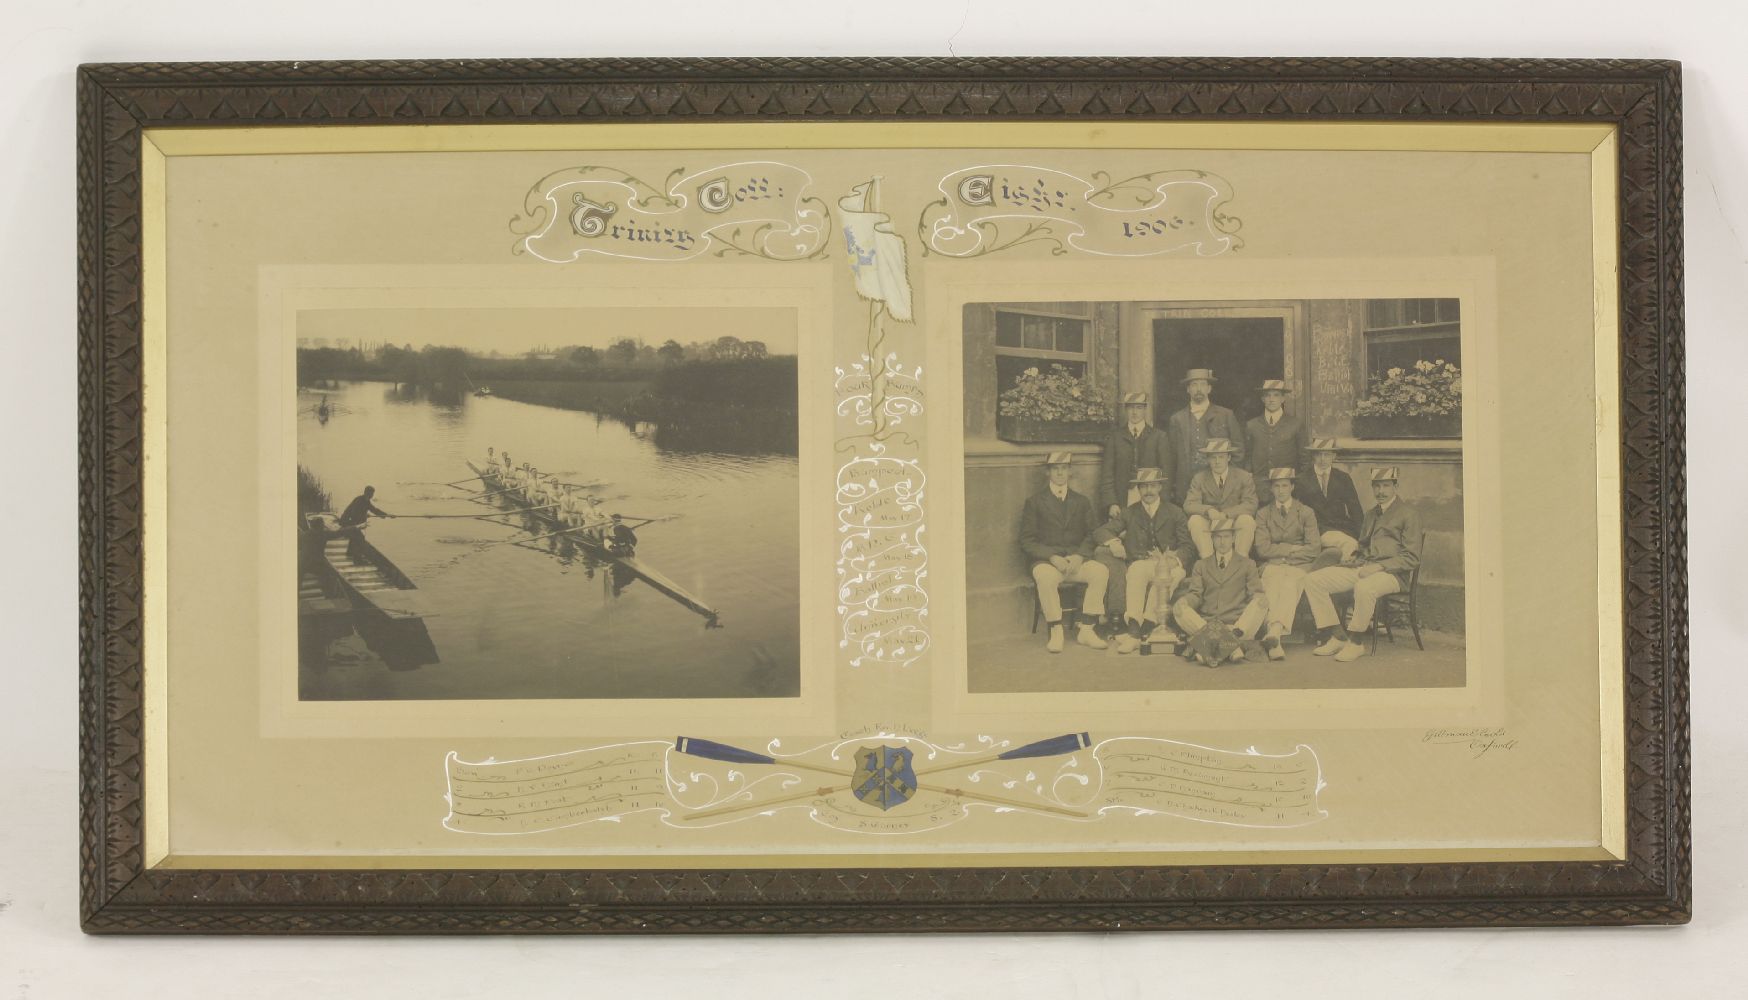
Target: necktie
[1322, 483]
[1221, 562]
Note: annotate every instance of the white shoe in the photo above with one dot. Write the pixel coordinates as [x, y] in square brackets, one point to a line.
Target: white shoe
[1350, 652]
[1088, 638]
[1055, 643]
[1330, 648]
[1127, 643]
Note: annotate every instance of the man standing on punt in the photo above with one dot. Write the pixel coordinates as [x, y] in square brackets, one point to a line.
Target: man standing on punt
[359, 510]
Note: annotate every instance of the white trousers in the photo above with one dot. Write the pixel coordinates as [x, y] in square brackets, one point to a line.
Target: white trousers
[1205, 541]
[1342, 542]
[1340, 580]
[1147, 588]
[1249, 622]
[1281, 586]
[1091, 572]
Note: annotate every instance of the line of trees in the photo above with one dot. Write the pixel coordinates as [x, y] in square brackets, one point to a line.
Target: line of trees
[627, 358]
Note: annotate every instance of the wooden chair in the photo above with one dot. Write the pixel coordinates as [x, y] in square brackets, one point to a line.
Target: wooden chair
[1400, 608]
[1072, 594]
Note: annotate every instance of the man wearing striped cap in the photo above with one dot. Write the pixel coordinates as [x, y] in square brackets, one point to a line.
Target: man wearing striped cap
[1191, 428]
[1330, 494]
[1390, 544]
[1135, 445]
[1286, 543]
[1056, 533]
[1275, 440]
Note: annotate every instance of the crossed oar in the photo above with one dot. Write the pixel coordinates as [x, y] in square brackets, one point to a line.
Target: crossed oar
[1055, 746]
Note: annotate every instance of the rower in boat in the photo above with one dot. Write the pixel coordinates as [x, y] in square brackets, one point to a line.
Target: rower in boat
[621, 540]
[359, 510]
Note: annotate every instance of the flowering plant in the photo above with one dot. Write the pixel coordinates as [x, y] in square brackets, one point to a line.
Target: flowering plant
[1430, 389]
[1056, 396]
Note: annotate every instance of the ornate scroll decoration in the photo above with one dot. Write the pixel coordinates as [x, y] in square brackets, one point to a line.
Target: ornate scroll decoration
[885, 782]
[753, 209]
[989, 209]
[882, 562]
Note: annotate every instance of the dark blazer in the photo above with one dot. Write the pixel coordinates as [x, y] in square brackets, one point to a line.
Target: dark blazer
[1189, 435]
[1394, 539]
[1221, 595]
[1167, 530]
[1337, 510]
[1279, 447]
[1052, 527]
[1125, 453]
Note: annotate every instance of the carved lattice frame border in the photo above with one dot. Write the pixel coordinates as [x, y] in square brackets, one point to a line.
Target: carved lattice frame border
[1642, 98]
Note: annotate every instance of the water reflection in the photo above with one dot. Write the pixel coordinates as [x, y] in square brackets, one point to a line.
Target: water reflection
[528, 619]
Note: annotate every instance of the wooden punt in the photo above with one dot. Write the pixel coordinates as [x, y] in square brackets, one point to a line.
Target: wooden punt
[639, 569]
[385, 603]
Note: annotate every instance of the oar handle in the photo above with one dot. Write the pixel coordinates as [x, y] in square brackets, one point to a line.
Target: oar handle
[1055, 746]
[712, 750]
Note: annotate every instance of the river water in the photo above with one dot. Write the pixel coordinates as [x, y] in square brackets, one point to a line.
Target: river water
[509, 621]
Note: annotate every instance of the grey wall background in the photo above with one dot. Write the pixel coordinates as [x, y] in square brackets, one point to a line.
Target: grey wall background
[42, 953]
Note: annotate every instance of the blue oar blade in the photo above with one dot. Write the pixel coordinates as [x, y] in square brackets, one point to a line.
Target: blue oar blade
[1052, 747]
[713, 750]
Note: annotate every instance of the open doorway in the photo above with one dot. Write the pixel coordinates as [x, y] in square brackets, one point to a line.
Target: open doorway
[1242, 351]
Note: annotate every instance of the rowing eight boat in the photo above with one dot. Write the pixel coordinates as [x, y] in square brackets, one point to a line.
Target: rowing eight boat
[555, 524]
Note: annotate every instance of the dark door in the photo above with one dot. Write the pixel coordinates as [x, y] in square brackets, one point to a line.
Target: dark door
[1242, 351]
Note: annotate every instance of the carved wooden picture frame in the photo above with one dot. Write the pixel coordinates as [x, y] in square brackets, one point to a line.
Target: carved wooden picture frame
[164, 148]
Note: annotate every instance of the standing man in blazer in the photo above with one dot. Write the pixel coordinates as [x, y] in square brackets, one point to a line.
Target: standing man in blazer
[1224, 491]
[1224, 587]
[1275, 440]
[1135, 445]
[1192, 427]
[1330, 494]
[1390, 544]
[1156, 540]
[1056, 533]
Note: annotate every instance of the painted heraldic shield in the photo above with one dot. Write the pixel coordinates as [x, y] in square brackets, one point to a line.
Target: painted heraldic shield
[884, 776]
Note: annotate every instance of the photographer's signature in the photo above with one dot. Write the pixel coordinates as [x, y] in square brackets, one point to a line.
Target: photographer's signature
[1480, 741]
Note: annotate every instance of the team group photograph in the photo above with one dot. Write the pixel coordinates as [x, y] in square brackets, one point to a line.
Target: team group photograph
[1217, 486]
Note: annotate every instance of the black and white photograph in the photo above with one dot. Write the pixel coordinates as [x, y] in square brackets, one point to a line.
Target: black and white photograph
[547, 503]
[1214, 494]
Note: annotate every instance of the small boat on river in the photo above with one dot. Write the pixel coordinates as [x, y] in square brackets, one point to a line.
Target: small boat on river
[594, 546]
[386, 608]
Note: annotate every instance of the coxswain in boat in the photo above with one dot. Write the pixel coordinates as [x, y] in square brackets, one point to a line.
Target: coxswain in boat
[359, 510]
[621, 540]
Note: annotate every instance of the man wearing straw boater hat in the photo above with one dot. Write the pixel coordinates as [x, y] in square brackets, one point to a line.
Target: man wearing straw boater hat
[1056, 533]
[1287, 541]
[1221, 491]
[1276, 439]
[1192, 427]
[1389, 549]
[1330, 494]
[1135, 445]
[1156, 541]
[1224, 591]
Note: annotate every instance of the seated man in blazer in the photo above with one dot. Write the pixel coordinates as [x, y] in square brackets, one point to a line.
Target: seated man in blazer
[1390, 544]
[1156, 540]
[1056, 533]
[1330, 494]
[1286, 543]
[1225, 587]
[1224, 491]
